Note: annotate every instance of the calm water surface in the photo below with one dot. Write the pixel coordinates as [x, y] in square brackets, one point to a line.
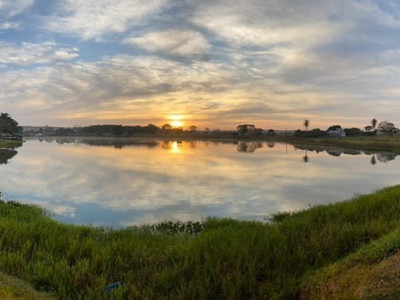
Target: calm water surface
[100, 182]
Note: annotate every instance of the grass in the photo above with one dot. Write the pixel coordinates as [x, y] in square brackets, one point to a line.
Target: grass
[12, 288]
[10, 144]
[366, 143]
[372, 272]
[220, 258]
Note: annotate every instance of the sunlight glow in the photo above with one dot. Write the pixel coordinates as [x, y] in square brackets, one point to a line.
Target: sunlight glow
[176, 147]
[177, 123]
[176, 120]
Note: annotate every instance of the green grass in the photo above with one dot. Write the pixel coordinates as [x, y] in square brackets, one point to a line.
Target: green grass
[10, 144]
[368, 143]
[12, 288]
[372, 272]
[220, 258]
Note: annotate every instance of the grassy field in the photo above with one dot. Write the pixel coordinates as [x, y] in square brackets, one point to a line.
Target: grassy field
[220, 258]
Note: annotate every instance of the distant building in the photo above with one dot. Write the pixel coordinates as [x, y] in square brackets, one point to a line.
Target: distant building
[6, 136]
[339, 132]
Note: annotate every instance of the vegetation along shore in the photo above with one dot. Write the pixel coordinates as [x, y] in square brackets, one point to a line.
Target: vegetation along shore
[10, 144]
[293, 255]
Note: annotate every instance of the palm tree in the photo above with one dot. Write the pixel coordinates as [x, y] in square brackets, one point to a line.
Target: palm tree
[373, 123]
[306, 124]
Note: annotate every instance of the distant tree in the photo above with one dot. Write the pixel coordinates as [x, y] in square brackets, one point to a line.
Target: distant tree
[150, 128]
[271, 132]
[387, 128]
[373, 123]
[242, 129]
[368, 128]
[312, 133]
[353, 131]
[193, 128]
[306, 124]
[166, 127]
[8, 124]
[117, 130]
[334, 127]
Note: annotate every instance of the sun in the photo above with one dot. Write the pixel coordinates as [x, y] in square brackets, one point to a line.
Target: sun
[177, 123]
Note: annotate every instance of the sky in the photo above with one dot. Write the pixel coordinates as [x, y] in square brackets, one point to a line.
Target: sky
[208, 63]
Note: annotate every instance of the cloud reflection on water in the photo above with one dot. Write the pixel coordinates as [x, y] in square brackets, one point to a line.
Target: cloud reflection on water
[151, 181]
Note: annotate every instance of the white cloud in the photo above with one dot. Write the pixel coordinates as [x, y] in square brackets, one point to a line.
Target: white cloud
[29, 53]
[268, 22]
[10, 8]
[173, 42]
[91, 19]
[9, 25]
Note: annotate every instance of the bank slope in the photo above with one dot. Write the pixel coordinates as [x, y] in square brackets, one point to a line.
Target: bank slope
[220, 258]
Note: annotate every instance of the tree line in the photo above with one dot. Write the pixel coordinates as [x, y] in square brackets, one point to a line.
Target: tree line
[384, 127]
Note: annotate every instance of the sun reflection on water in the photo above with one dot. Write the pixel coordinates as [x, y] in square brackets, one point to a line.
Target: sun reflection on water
[176, 147]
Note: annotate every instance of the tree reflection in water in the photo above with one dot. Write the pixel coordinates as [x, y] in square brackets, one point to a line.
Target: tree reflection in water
[305, 157]
[6, 155]
[385, 157]
[248, 147]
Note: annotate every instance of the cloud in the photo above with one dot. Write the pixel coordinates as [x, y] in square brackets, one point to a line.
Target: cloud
[145, 89]
[92, 19]
[9, 25]
[173, 42]
[217, 63]
[265, 23]
[11, 8]
[30, 53]
[117, 87]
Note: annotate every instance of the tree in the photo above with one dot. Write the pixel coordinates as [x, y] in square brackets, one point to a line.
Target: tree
[271, 132]
[353, 131]
[193, 128]
[248, 130]
[373, 123]
[166, 127]
[334, 128]
[388, 128]
[8, 124]
[368, 128]
[243, 129]
[306, 124]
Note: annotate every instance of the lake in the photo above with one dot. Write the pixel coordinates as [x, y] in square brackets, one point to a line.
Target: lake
[121, 182]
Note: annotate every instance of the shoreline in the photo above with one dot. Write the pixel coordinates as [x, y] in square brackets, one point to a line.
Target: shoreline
[373, 143]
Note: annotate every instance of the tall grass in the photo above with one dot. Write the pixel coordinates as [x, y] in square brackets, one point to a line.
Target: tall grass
[221, 258]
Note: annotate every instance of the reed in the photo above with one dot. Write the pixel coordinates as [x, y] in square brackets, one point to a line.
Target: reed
[217, 258]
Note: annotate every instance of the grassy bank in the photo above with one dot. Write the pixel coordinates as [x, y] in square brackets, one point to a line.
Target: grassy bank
[12, 288]
[10, 144]
[366, 143]
[221, 258]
